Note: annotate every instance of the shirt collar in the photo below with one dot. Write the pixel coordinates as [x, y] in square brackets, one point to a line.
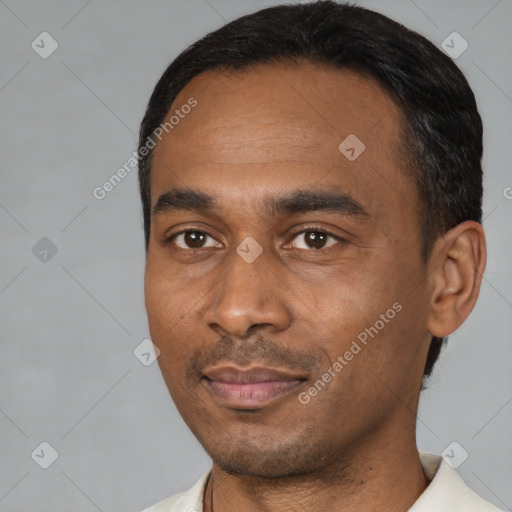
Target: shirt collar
[446, 490]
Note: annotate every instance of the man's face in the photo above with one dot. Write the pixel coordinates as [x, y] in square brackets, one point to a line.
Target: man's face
[243, 285]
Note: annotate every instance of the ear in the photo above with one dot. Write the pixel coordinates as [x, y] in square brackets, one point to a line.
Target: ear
[456, 265]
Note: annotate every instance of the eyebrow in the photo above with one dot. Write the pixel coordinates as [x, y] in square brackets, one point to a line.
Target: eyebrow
[298, 201]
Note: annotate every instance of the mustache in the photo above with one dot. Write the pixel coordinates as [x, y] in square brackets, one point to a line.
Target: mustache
[242, 352]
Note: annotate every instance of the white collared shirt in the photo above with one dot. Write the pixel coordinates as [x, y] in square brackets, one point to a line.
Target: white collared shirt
[446, 492]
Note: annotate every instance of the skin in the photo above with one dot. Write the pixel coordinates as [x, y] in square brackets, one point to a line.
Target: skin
[264, 133]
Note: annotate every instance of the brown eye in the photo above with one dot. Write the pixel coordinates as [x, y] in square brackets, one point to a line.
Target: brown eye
[190, 239]
[316, 239]
[194, 239]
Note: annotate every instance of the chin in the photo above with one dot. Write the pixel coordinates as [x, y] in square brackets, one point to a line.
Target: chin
[266, 458]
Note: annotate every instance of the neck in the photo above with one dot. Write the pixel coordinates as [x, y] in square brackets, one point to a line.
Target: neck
[385, 476]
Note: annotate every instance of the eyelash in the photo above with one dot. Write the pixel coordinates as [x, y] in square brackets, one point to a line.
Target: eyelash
[317, 229]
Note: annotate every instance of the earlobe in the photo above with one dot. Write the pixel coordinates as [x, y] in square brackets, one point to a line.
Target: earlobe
[458, 261]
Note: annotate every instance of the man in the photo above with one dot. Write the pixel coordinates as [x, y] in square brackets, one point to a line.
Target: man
[311, 186]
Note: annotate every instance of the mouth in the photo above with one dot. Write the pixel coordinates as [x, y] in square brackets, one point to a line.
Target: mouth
[250, 388]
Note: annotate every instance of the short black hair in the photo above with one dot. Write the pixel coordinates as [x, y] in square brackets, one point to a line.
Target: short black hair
[442, 137]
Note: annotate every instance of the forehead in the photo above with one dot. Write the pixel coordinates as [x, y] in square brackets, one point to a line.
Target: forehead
[273, 127]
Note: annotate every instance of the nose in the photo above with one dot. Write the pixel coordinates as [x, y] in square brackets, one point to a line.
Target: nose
[248, 295]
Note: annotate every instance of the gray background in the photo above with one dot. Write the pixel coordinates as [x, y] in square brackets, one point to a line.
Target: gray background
[68, 328]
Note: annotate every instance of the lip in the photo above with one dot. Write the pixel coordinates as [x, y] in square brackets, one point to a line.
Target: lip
[250, 388]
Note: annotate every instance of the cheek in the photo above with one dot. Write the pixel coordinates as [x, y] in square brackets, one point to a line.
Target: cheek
[164, 294]
[353, 301]
[169, 321]
[372, 307]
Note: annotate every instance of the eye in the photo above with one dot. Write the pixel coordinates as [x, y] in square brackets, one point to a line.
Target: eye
[316, 238]
[191, 239]
[313, 238]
